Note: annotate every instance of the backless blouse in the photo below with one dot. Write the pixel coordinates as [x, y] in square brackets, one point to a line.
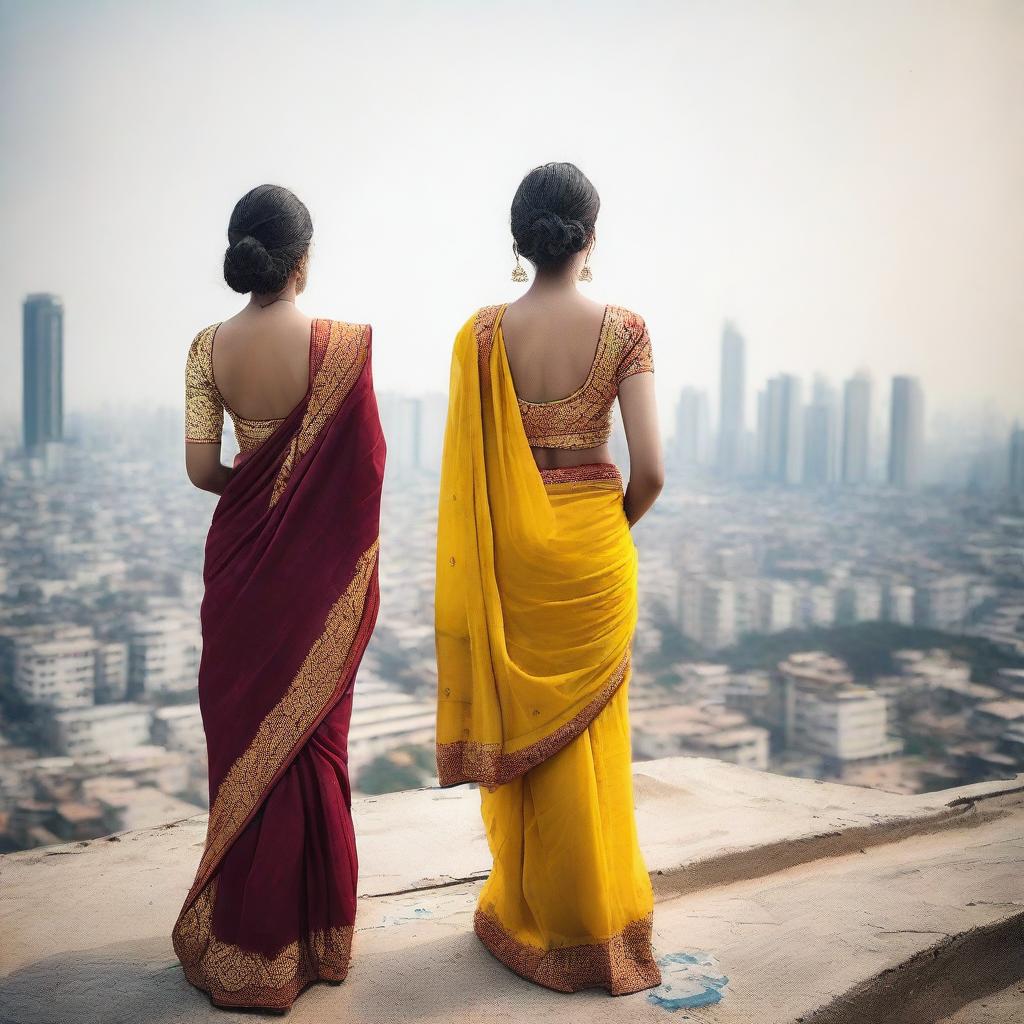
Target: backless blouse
[204, 404]
[584, 418]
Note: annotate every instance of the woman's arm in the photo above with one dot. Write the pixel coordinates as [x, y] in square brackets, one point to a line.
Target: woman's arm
[643, 437]
[204, 468]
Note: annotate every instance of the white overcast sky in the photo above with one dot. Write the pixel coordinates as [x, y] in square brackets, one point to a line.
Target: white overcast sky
[841, 178]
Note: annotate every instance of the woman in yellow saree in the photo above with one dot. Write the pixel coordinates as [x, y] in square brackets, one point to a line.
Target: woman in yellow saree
[536, 605]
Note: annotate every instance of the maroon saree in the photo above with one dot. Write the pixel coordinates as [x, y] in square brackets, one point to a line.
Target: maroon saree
[291, 599]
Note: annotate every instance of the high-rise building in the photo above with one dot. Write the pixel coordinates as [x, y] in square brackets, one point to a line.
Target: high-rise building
[707, 611]
[164, 648]
[781, 423]
[856, 429]
[941, 603]
[778, 606]
[898, 603]
[400, 420]
[906, 432]
[820, 430]
[691, 442]
[433, 415]
[732, 398]
[58, 671]
[859, 600]
[42, 362]
[1016, 475]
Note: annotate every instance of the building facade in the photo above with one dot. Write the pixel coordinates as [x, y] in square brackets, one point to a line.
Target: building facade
[732, 401]
[42, 355]
[856, 429]
[906, 432]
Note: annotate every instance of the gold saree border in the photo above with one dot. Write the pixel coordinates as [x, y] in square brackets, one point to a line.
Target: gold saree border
[288, 720]
[238, 796]
[236, 977]
[346, 352]
[489, 765]
[483, 329]
[622, 964]
[585, 473]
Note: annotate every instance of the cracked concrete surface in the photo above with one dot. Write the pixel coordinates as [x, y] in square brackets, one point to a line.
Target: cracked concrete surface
[821, 902]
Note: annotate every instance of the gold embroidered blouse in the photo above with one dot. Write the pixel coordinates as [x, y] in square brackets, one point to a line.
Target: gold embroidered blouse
[584, 418]
[204, 405]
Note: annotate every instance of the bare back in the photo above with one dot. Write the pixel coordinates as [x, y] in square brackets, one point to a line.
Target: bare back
[261, 362]
[551, 343]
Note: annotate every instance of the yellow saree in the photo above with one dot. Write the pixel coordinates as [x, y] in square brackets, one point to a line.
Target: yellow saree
[535, 610]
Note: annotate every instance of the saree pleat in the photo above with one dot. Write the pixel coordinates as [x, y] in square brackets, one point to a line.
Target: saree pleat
[535, 612]
[291, 600]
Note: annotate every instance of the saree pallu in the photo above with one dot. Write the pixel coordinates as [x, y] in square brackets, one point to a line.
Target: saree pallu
[536, 604]
[291, 599]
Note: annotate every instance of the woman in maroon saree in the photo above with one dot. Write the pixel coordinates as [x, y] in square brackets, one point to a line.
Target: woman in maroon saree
[291, 599]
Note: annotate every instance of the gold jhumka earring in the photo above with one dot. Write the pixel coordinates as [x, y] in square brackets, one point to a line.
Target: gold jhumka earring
[518, 273]
[585, 274]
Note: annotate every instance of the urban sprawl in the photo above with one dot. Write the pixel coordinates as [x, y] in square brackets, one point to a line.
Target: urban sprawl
[820, 595]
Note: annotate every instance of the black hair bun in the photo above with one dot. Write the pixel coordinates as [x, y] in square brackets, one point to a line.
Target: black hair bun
[550, 237]
[248, 267]
[268, 236]
[553, 214]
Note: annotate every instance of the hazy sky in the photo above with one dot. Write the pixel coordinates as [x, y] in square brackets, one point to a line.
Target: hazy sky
[841, 178]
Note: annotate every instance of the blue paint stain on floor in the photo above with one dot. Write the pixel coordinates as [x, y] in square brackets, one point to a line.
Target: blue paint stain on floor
[415, 914]
[688, 981]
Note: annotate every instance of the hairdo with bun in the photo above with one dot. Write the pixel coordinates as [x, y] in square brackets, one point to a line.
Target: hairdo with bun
[553, 214]
[268, 234]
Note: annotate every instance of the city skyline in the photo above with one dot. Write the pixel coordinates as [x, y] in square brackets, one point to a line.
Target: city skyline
[849, 421]
[823, 441]
[845, 212]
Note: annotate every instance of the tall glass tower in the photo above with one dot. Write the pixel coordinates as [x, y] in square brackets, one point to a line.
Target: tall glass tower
[906, 430]
[856, 429]
[42, 361]
[732, 398]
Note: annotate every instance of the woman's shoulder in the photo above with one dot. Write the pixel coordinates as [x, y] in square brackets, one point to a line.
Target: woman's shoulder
[346, 325]
[345, 333]
[481, 321]
[630, 345]
[486, 315]
[200, 351]
[627, 322]
[348, 328]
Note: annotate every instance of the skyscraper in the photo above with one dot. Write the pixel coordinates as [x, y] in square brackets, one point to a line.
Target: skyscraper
[732, 398]
[691, 442]
[820, 420]
[781, 423]
[856, 429]
[906, 432]
[400, 418]
[1016, 475]
[42, 362]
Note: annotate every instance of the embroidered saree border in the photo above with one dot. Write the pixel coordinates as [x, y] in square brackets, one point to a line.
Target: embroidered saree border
[344, 358]
[622, 964]
[584, 473]
[307, 695]
[238, 977]
[489, 765]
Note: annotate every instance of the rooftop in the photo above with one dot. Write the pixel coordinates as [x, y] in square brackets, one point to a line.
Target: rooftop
[778, 899]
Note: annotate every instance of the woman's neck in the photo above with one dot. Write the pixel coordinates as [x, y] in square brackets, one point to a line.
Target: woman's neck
[287, 294]
[553, 281]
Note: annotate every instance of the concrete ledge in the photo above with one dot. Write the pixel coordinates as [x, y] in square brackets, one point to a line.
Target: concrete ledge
[813, 898]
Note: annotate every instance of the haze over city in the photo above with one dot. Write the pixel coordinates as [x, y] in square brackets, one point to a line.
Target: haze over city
[840, 180]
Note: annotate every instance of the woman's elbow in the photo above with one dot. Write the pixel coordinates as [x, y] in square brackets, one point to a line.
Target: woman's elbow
[650, 478]
[197, 479]
[203, 478]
